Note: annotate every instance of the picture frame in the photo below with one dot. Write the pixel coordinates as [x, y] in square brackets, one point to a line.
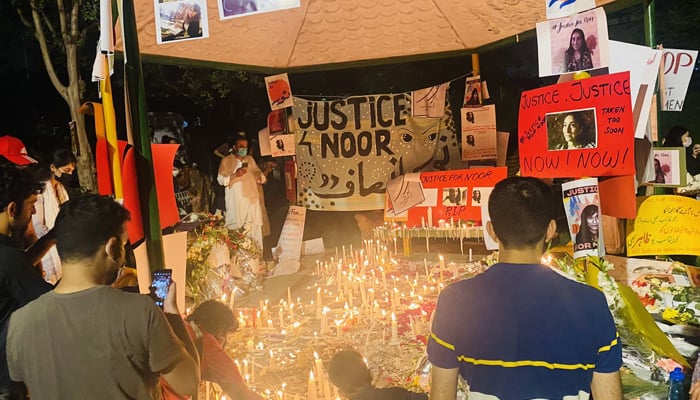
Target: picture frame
[669, 167]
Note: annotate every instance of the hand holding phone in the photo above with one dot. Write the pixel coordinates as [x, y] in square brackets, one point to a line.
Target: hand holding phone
[160, 283]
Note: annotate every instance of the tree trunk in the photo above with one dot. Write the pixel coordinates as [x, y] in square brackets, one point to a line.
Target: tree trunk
[82, 150]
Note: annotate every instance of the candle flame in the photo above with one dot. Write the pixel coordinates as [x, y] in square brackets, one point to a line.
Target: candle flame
[311, 375]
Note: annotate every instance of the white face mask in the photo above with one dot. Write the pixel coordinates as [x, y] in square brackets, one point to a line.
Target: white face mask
[687, 141]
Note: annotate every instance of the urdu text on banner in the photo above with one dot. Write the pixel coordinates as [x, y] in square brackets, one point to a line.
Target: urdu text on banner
[348, 149]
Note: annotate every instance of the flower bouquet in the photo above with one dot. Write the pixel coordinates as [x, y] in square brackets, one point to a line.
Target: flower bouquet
[221, 262]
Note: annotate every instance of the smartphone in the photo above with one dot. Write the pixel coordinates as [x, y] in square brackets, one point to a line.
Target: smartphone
[160, 283]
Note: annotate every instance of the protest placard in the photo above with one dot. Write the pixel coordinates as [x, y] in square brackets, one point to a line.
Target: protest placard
[577, 128]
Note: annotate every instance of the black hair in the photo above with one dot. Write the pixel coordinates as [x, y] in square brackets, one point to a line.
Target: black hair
[348, 371]
[62, 157]
[86, 223]
[673, 137]
[16, 185]
[584, 44]
[214, 317]
[521, 209]
[585, 134]
[584, 234]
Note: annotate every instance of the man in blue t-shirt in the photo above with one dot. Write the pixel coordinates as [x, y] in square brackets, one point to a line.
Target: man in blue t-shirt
[521, 330]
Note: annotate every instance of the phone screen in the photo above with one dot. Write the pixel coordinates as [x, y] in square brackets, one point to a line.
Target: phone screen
[160, 285]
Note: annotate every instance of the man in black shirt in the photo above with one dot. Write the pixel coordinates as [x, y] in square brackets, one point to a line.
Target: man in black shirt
[19, 281]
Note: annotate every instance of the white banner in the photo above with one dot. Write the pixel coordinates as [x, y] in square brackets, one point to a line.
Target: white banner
[678, 68]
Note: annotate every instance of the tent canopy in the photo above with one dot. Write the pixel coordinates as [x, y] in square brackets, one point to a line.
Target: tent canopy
[328, 33]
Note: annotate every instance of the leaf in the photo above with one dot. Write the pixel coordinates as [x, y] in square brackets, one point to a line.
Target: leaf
[643, 323]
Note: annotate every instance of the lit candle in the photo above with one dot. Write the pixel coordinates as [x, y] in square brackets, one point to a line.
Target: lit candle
[324, 320]
[271, 364]
[425, 264]
[311, 388]
[281, 317]
[319, 303]
[291, 313]
[430, 217]
[289, 295]
[318, 364]
[338, 332]
[442, 262]
[245, 366]
[394, 330]
[470, 255]
[422, 222]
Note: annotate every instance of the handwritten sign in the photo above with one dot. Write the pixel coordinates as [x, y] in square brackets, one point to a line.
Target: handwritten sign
[279, 92]
[562, 8]
[678, 68]
[288, 250]
[454, 196]
[665, 225]
[577, 128]
[405, 192]
[429, 102]
[348, 149]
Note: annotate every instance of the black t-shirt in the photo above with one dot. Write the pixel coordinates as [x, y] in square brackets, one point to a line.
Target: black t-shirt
[19, 284]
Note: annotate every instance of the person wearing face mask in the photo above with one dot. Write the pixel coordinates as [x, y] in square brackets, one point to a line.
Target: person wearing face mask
[60, 173]
[208, 326]
[88, 340]
[241, 176]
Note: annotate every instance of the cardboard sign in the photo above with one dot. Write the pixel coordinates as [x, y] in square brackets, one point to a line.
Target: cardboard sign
[577, 128]
[288, 250]
[678, 68]
[665, 225]
[453, 196]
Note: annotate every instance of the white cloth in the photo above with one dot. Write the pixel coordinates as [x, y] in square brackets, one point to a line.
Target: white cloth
[242, 196]
[47, 207]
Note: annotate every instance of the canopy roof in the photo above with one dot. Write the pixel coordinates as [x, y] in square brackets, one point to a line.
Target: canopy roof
[327, 32]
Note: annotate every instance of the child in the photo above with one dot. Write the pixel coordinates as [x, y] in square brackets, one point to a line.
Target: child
[349, 373]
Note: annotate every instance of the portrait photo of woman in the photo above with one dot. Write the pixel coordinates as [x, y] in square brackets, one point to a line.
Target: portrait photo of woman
[571, 130]
[587, 236]
[578, 56]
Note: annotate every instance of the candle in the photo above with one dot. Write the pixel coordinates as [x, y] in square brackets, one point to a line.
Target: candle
[395, 247]
[291, 313]
[245, 366]
[318, 364]
[430, 217]
[394, 330]
[289, 295]
[338, 332]
[470, 255]
[425, 264]
[281, 317]
[441, 223]
[252, 369]
[324, 320]
[311, 388]
[427, 244]
[319, 304]
[442, 262]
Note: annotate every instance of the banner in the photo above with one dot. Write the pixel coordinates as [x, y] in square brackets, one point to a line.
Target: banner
[452, 197]
[665, 225]
[577, 128]
[582, 207]
[562, 8]
[678, 68]
[348, 149]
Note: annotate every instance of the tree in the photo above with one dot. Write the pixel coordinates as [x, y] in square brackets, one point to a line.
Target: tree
[56, 26]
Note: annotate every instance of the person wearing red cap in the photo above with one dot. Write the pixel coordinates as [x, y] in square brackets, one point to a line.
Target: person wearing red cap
[14, 151]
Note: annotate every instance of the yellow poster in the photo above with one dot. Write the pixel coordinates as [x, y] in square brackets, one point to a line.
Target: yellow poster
[665, 225]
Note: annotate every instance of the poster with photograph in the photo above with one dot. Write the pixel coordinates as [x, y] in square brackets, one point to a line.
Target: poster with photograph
[282, 145]
[669, 167]
[563, 8]
[455, 196]
[582, 207]
[575, 43]
[479, 133]
[429, 102]
[643, 64]
[181, 20]
[240, 8]
[279, 92]
[472, 92]
[577, 128]
[678, 68]
[572, 129]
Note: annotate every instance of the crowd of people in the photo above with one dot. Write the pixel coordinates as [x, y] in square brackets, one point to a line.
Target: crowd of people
[76, 335]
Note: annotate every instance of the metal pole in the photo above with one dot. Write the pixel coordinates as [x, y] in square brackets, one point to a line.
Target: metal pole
[142, 144]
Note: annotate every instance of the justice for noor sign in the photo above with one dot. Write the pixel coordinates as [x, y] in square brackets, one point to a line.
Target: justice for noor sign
[577, 128]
